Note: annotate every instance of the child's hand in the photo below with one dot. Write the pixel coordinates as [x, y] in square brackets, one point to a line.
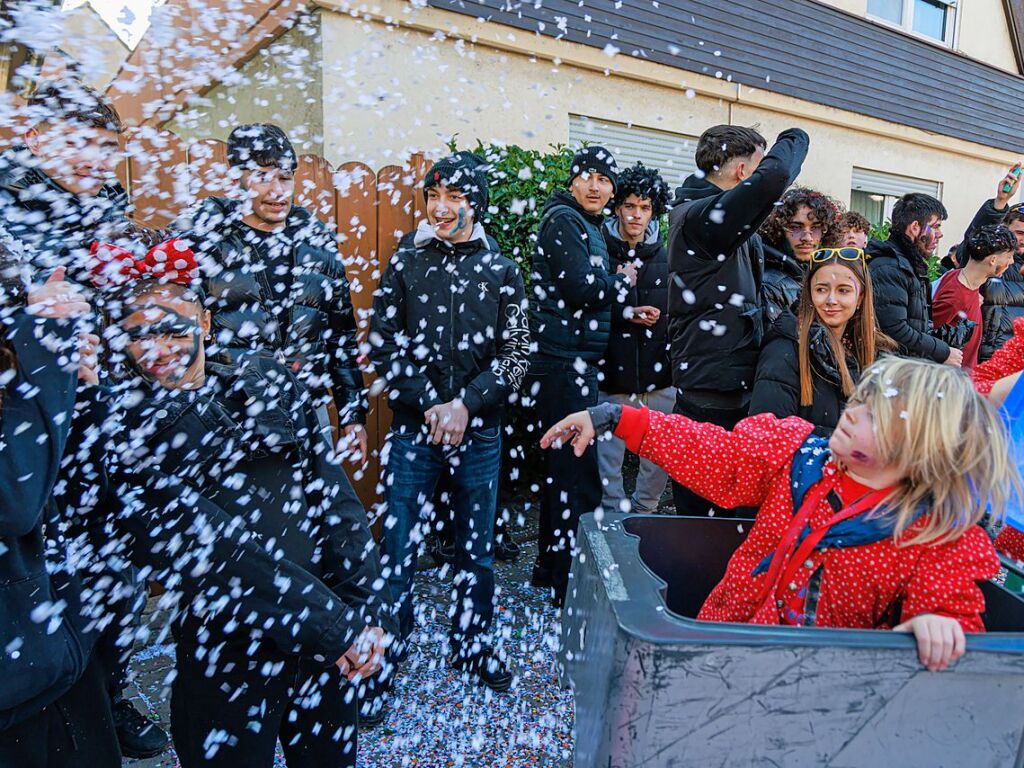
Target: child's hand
[940, 639]
[577, 429]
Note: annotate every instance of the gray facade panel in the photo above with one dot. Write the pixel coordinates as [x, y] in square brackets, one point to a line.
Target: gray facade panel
[797, 48]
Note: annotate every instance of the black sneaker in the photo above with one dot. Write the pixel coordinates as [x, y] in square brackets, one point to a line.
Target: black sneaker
[138, 736]
[486, 666]
[506, 550]
[541, 577]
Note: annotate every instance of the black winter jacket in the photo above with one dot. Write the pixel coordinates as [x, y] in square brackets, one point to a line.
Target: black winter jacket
[903, 297]
[783, 278]
[56, 226]
[637, 358]
[450, 321]
[272, 477]
[716, 263]
[573, 288]
[312, 328]
[1002, 297]
[777, 385]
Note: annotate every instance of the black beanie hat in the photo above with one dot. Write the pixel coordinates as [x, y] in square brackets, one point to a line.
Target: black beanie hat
[465, 171]
[258, 145]
[595, 158]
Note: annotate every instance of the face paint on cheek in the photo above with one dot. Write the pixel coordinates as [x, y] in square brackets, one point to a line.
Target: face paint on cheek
[460, 222]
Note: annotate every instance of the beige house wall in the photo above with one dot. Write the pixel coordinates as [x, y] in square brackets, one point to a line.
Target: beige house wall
[391, 90]
[982, 31]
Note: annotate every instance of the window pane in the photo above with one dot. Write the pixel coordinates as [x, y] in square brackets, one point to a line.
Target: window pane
[930, 18]
[890, 10]
[872, 206]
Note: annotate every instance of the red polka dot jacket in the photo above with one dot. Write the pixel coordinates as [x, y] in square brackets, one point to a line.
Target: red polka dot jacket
[872, 586]
[1007, 360]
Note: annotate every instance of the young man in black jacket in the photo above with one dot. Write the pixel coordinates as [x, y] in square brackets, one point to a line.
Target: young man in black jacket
[573, 291]
[636, 367]
[244, 438]
[92, 493]
[899, 277]
[275, 281]
[716, 261]
[58, 191]
[1002, 297]
[450, 340]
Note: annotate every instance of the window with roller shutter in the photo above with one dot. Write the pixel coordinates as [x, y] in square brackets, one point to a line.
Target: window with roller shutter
[670, 153]
[874, 193]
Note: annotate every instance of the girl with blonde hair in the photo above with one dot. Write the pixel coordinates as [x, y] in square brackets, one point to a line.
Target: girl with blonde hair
[875, 527]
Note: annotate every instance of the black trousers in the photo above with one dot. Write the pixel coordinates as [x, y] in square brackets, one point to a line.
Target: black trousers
[76, 731]
[570, 486]
[686, 501]
[232, 712]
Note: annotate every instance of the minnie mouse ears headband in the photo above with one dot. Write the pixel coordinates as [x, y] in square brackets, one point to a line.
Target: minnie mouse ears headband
[169, 262]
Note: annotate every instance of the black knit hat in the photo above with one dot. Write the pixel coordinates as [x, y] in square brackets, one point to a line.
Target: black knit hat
[465, 171]
[259, 145]
[595, 158]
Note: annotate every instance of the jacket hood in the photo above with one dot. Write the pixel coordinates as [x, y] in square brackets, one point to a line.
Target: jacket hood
[564, 197]
[695, 187]
[425, 235]
[774, 258]
[652, 236]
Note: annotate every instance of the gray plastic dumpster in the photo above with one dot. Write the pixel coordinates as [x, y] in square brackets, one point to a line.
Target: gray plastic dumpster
[654, 687]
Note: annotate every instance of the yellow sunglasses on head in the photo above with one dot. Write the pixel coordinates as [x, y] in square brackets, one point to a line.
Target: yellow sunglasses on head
[846, 254]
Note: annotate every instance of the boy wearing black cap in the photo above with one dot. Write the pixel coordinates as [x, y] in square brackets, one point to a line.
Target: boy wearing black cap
[451, 341]
[570, 319]
[273, 277]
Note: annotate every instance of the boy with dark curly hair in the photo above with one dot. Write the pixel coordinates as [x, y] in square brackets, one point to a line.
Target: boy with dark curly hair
[802, 222]
[636, 368]
[855, 230]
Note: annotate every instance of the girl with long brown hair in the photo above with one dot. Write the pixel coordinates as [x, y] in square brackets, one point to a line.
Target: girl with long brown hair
[810, 362]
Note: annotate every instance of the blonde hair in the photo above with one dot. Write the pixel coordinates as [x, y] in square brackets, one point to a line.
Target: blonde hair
[947, 441]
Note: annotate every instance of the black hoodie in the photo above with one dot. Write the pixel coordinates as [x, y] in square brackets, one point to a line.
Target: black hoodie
[903, 297]
[716, 261]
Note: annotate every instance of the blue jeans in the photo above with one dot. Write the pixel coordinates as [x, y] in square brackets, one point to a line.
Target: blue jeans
[413, 467]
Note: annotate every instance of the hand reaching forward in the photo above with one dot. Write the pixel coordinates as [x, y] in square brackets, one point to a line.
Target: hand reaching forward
[576, 428]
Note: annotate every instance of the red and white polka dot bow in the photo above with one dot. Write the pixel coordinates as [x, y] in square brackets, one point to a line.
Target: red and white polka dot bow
[171, 261]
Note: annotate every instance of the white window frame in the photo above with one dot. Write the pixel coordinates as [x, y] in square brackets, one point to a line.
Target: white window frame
[949, 34]
[887, 188]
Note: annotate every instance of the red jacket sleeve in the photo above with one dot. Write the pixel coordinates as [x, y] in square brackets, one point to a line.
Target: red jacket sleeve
[1010, 542]
[731, 469]
[945, 580]
[1007, 360]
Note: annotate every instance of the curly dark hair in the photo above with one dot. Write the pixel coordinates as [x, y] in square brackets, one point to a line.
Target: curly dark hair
[825, 210]
[852, 221]
[984, 241]
[646, 183]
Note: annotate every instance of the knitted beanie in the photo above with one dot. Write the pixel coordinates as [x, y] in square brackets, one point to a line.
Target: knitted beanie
[465, 171]
[596, 159]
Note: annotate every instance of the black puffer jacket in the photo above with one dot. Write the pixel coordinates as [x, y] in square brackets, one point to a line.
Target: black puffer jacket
[637, 357]
[573, 289]
[312, 328]
[56, 226]
[716, 263]
[450, 321]
[777, 385]
[1002, 303]
[783, 277]
[903, 297]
